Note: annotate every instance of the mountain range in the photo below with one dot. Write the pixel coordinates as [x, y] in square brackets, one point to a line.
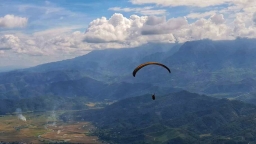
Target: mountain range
[216, 68]
[222, 70]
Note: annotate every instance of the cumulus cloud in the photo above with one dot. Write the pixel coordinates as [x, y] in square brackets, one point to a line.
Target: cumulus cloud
[153, 20]
[242, 27]
[217, 19]
[206, 28]
[1, 52]
[117, 29]
[121, 32]
[139, 30]
[12, 42]
[132, 31]
[45, 43]
[11, 21]
[9, 42]
[164, 28]
[254, 18]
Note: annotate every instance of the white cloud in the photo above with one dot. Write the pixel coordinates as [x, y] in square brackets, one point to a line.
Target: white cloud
[218, 19]
[1, 52]
[51, 42]
[254, 18]
[196, 3]
[138, 30]
[117, 29]
[11, 21]
[143, 11]
[153, 20]
[18, 45]
[121, 32]
[206, 28]
[9, 42]
[243, 26]
[232, 7]
[164, 28]
[56, 31]
[243, 18]
[200, 15]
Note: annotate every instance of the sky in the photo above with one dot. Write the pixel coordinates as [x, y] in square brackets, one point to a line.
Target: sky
[34, 32]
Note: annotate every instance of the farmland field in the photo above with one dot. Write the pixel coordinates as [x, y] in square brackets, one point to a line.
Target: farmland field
[44, 127]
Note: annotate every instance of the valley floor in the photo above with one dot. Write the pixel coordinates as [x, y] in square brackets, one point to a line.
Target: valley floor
[41, 127]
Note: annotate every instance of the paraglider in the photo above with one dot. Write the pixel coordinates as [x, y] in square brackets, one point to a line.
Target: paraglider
[146, 64]
[149, 63]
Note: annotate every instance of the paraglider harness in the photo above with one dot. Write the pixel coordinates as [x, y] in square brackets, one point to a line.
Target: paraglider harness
[153, 97]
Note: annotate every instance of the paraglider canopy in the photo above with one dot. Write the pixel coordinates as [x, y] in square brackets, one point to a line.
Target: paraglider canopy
[149, 63]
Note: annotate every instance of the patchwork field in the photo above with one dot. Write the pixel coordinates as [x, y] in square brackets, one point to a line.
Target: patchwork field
[44, 127]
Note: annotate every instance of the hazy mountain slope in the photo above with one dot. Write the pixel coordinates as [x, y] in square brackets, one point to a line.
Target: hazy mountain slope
[85, 87]
[42, 103]
[100, 65]
[199, 66]
[182, 116]
[218, 68]
[109, 61]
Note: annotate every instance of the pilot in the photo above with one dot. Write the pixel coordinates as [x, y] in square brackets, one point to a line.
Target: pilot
[153, 97]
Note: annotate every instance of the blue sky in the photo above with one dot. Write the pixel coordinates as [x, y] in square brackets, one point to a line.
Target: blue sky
[41, 31]
[50, 14]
